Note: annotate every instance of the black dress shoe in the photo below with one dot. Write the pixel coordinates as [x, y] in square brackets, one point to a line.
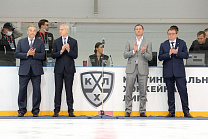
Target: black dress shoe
[127, 114]
[188, 115]
[20, 115]
[170, 115]
[35, 114]
[143, 115]
[55, 114]
[71, 114]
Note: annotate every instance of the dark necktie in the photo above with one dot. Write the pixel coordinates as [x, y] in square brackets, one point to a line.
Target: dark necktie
[172, 44]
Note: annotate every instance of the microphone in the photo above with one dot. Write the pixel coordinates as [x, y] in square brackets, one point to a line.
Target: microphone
[111, 61]
[103, 42]
[103, 61]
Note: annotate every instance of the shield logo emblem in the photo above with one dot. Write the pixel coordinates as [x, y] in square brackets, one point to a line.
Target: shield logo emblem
[92, 88]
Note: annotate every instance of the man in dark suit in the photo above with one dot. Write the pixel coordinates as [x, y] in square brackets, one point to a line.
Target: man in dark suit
[172, 52]
[65, 50]
[31, 52]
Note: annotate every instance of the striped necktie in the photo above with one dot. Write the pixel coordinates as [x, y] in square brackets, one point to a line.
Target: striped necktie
[64, 40]
[31, 43]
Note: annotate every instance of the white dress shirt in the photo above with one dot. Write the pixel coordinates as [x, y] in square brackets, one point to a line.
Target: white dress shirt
[63, 40]
[138, 43]
[174, 44]
[29, 40]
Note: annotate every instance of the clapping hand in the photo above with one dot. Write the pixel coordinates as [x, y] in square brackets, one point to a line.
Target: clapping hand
[175, 51]
[171, 50]
[65, 47]
[135, 47]
[31, 52]
[143, 49]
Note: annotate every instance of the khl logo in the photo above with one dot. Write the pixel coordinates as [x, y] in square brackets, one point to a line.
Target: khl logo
[91, 83]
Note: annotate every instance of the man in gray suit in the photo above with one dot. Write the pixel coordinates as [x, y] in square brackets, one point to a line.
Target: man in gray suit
[138, 52]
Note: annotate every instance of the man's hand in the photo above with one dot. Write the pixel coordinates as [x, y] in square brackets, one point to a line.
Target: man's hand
[29, 52]
[171, 51]
[143, 49]
[63, 48]
[67, 47]
[135, 47]
[33, 52]
[175, 51]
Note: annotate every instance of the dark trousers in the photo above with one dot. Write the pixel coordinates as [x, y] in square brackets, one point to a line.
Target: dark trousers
[22, 98]
[68, 79]
[181, 86]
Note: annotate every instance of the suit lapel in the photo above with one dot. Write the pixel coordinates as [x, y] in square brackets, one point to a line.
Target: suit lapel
[27, 43]
[69, 40]
[142, 44]
[34, 43]
[168, 45]
[132, 44]
[60, 43]
[177, 43]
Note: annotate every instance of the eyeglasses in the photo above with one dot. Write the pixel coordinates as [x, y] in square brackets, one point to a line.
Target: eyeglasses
[46, 24]
[171, 34]
[201, 38]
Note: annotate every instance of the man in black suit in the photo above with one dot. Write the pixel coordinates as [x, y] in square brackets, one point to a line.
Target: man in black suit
[31, 52]
[65, 50]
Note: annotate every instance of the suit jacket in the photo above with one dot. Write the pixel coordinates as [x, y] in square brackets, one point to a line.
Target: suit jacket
[173, 65]
[137, 56]
[31, 61]
[66, 59]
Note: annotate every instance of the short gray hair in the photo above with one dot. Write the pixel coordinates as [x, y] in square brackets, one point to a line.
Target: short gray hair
[65, 25]
[31, 26]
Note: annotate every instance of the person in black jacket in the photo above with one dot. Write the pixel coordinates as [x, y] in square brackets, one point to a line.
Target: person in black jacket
[200, 45]
[98, 59]
[206, 32]
[7, 44]
[47, 38]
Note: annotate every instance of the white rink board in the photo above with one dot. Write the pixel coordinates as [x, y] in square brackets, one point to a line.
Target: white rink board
[157, 100]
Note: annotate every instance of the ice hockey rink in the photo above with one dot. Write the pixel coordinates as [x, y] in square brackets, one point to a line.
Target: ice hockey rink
[104, 128]
[111, 22]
